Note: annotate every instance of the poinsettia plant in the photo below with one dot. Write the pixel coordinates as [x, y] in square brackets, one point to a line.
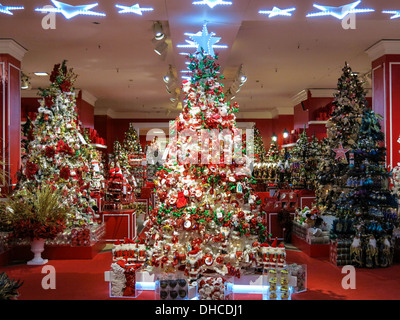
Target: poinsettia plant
[38, 214]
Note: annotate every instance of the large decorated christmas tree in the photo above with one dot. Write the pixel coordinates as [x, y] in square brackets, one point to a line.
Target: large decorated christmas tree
[207, 217]
[342, 136]
[59, 153]
[366, 200]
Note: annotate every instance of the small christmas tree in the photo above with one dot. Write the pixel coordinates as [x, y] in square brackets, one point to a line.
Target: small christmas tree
[259, 149]
[342, 135]
[305, 158]
[58, 152]
[132, 143]
[120, 183]
[134, 155]
[273, 152]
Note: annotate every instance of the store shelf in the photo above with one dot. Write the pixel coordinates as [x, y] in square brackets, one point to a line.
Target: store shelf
[100, 146]
[289, 145]
[317, 122]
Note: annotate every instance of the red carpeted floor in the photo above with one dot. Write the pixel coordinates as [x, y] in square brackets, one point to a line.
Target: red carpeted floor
[84, 280]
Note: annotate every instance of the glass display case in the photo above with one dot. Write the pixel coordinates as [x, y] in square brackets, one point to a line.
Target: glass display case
[215, 287]
[174, 286]
[277, 284]
[123, 282]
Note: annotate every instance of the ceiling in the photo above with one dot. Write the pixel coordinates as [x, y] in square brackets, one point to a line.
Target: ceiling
[114, 58]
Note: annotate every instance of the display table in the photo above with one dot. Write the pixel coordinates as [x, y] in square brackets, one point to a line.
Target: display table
[306, 198]
[58, 252]
[87, 244]
[312, 250]
[5, 258]
[120, 224]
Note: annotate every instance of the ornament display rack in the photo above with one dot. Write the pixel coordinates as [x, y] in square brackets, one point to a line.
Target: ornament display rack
[339, 252]
[309, 244]
[116, 196]
[139, 170]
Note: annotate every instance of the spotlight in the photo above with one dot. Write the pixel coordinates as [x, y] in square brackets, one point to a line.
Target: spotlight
[241, 75]
[169, 76]
[158, 30]
[285, 134]
[25, 84]
[161, 48]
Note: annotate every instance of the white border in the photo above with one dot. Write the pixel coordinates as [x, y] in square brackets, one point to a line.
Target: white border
[391, 111]
[301, 200]
[129, 216]
[9, 116]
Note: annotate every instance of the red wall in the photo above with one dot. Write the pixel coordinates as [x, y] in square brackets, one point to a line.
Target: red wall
[29, 105]
[85, 109]
[85, 112]
[114, 129]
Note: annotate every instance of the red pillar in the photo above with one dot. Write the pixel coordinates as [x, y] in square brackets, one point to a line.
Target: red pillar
[385, 57]
[11, 54]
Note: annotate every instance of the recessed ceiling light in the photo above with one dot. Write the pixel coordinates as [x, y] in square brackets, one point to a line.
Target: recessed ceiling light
[41, 74]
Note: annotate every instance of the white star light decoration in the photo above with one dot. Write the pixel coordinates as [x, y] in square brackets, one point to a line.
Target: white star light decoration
[8, 9]
[212, 3]
[69, 11]
[341, 153]
[277, 12]
[338, 12]
[132, 9]
[202, 40]
[395, 13]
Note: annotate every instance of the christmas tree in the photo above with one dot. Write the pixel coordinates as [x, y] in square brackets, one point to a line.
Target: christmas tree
[207, 218]
[366, 200]
[131, 142]
[273, 152]
[58, 151]
[299, 161]
[305, 158]
[342, 135]
[120, 182]
[133, 164]
[259, 149]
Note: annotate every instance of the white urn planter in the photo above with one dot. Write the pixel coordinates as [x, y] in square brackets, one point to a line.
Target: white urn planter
[37, 247]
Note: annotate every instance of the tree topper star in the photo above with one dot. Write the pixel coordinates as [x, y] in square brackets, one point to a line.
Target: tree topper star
[69, 11]
[212, 3]
[8, 9]
[132, 9]
[277, 12]
[202, 40]
[340, 152]
[395, 13]
[338, 12]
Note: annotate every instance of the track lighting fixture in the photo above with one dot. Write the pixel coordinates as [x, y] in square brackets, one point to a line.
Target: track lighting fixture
[158, 30]
[161, 48]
